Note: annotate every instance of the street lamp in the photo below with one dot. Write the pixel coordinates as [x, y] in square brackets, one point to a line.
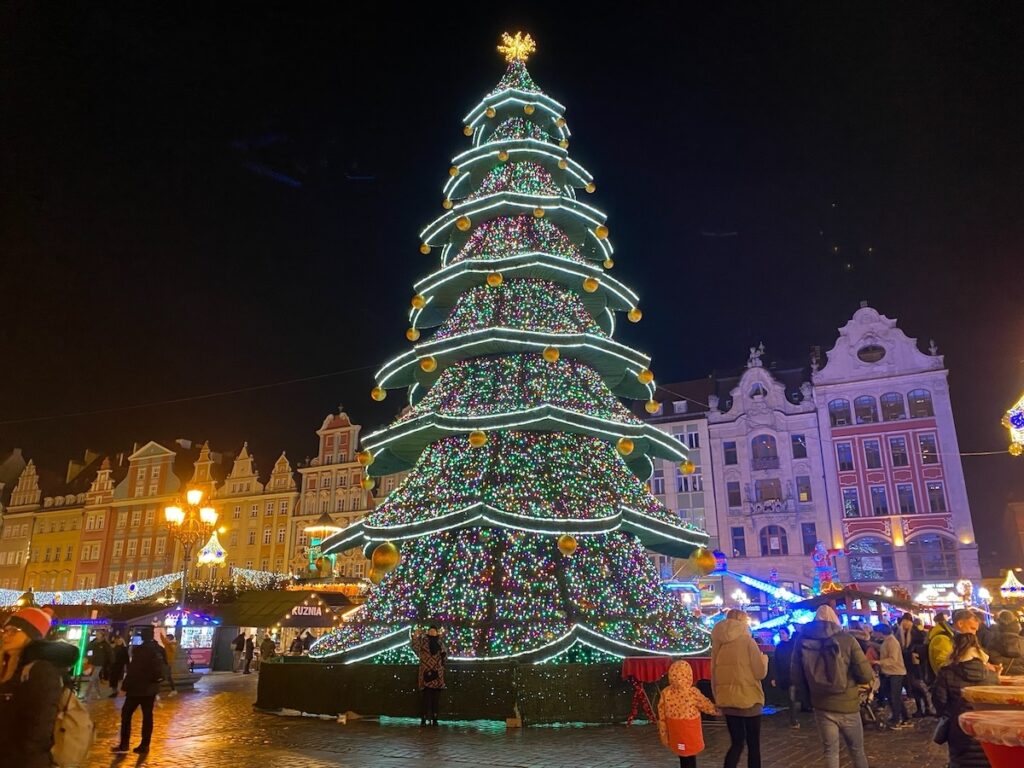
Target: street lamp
[188, 524]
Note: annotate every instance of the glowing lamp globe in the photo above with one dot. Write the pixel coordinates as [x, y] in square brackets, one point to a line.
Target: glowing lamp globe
[652, 406]
[635, 315]
[529, 109]
[646, 376]
[193, 496]
[174, 515]
[567, 544]
[538, 213]
[424, 249]
[418, 302]
[467, 130]
[385, 557]
[608, 263]
[447, 204]
[591, 187]
[687, 467]
[428, 364]
[365, 458]
[494, 279]
[625, 446]
[551, 354]
[367, 483]
[601, 232]
[591, 284]
[412, 334]
[463, 223]
[503, 156]
[378, 393]
[453, 171]
[490, 112]
[477, 438]
[208, 515]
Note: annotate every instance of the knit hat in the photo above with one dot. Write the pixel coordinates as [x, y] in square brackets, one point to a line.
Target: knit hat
[826, 613]
[34, 622]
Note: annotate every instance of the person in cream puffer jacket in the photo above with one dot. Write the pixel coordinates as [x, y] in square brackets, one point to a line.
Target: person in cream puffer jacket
[737, 669]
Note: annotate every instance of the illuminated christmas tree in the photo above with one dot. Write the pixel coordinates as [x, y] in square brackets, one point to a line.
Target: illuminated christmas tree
[522, 525]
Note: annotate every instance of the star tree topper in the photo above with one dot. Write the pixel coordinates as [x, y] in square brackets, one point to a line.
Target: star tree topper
[519, 47]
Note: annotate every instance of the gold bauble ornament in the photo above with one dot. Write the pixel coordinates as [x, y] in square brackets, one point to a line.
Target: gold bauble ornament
[634, 315]
[529, 109]
[447, 204]
[467, 131]
[418, 302]
[563, 163]
[463, 223]
[591, 284]
[378, 393]
[412, 334]
[608, 263]
[424, 249]
[652, 406]
[490, 112]
[453, 171]
[1016, 449]
[367, 483]
[365, 458]
[538, 213]
[428, 364]
[687, 467]
[702, 561]
[560, 122]
[567, 544]
[625, 446]
[591, 187]
[503, 155]
[385, 557]
[564, 143]
[495, 279]
[375, 576]
[478, 438]
[601, 232]
[646, 376]
[551, 354]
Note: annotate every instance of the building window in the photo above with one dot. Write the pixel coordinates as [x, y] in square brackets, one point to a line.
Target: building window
[303, 539]
[871, 559]
[280, 535]
[732, 490]
[341, 505]
[161, 546]
[269, 509]
[936, 497]
[839, 413]
[872, 454]
[693, 440]
[851, 503]
[920, 404]
[879, 501]
[866, 410]
[658, 481]
[809, 537]
[69, 553]
[905, 496]
[768, 490]
[764, 452]
[282, 508]
[252, 537]
[892, 407]
[267, 533]
[122, 519]
[933, 557]
[729, 452]
[774, 541]
[898, 452]
[929, 449]
[90, 524]
[844, 454]
[150, 516]
[147, 545]
[234, 539]
[237, 512]
[803, 488]
[254, 510]
[739, 542]
[799, 443]
[133, 546]
[118, 547]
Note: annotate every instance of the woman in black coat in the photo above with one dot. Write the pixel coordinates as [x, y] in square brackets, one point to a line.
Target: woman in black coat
[968, 666]
[118, 664]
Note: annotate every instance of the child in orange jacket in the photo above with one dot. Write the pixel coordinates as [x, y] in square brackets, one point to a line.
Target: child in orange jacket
[679, 711]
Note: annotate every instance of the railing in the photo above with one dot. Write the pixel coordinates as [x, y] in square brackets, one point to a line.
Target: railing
[772, 506]
[766, 462]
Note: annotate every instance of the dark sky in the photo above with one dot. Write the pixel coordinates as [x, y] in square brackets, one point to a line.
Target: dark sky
[198, 199]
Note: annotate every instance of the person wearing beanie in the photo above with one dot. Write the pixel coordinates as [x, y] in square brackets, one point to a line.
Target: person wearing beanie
[141, 685]
[828, 667]
[30, 688]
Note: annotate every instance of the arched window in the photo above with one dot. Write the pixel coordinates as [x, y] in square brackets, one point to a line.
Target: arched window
[866, 409]
[871, 559]
[920, 404]
[839, 413]
[932, 556]
[764, 452]
[758, 390]
[773, 540]
[892, 407]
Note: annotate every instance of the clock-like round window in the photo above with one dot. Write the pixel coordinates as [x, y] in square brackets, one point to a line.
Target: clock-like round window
[871, 353]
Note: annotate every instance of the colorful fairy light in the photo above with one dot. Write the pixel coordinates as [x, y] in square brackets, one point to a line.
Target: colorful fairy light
[1014, 422]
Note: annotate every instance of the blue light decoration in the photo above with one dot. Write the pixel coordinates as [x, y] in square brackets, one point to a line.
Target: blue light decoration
[1014, 421]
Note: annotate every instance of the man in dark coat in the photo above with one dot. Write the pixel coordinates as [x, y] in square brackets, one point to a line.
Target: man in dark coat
[250, 651]
[781, 673]
[141, 685]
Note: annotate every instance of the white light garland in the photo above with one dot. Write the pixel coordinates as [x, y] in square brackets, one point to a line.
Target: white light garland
[116, 595]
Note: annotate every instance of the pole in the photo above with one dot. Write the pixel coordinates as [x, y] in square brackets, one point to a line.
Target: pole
[187, 547]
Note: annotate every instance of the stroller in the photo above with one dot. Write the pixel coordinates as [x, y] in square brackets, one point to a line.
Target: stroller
[870, 709]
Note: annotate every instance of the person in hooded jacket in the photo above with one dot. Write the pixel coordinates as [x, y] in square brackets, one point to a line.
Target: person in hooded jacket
[679, 708]
[780, 672]
[967, 667]
[940, 643]
[737, 669]
[141, 685]
[432, 656]
[829, 667]
[1006, 645]
[29, 700]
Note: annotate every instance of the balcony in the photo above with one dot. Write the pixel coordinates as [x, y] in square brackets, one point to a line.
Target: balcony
[765, 462]
[772, 506]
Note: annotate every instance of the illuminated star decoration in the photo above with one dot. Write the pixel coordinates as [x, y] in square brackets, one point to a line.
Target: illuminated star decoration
[516, 48]
[1014, 421]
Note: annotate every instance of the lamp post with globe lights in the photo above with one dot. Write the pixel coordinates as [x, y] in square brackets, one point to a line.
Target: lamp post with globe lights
[189, 524]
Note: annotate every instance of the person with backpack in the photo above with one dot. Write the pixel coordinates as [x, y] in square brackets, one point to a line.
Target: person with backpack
[141, 685]
[432, 656]
[33, 694]
[1006, 646]
[966, 667]
[829, 667]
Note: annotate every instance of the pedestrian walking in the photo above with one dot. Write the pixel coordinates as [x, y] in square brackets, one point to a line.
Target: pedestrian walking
[238, 649]
[30, 688]
[829, 667]
[118, 664]
[432, 655]
[141, 686]
[781, 678]
[171, 652]
[737, 669]
[99, 653]
[250, 650]
[967, 667]
[679, 709]
[893, 671]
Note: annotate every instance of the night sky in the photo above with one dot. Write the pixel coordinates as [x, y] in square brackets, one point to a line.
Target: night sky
[201, 199]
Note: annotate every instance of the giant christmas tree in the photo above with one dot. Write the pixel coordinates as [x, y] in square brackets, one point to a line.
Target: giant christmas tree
[523, 524]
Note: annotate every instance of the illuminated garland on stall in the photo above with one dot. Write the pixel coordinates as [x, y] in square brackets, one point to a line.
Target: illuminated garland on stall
[120, 593]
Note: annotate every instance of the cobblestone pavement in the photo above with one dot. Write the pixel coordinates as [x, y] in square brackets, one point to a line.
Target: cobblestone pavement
[215, 726]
